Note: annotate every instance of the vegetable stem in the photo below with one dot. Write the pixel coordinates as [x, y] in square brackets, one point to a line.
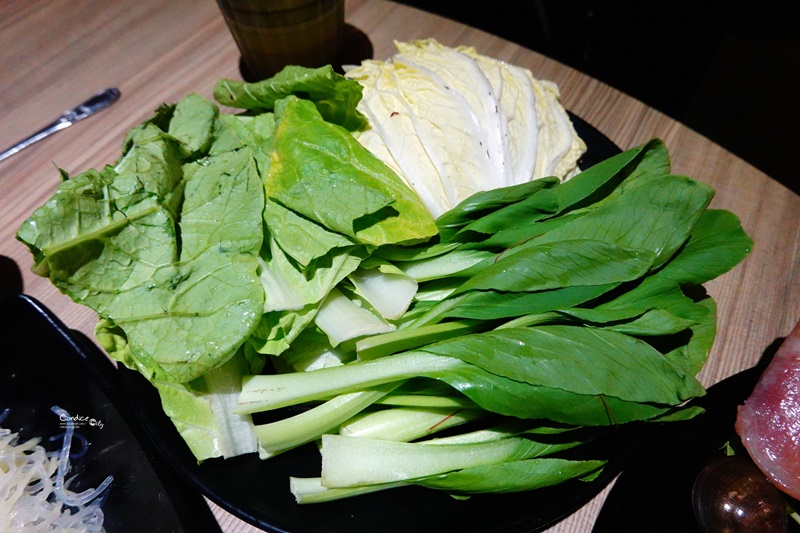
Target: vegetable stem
[376, 346]
[265, 392]
[405, 424]
[350, 461]
[283, 435]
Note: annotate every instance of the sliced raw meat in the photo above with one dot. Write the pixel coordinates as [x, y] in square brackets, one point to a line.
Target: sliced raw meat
[769, 420]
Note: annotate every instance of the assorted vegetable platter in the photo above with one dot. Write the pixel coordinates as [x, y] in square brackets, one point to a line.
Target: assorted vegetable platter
[287, 256]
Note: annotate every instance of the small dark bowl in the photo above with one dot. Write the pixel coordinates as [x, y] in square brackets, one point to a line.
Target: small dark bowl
[45, 364]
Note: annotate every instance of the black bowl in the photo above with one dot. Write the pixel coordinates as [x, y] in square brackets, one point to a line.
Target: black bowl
[45, 364]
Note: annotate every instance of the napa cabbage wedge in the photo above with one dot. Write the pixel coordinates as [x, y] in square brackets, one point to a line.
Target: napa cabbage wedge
[452, 122]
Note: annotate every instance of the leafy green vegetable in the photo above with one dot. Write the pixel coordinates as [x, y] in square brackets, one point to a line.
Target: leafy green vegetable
[323, 174]
[203, 410]
[334, 96]
[350, 461]
[510, 476]
[245, 263]
[407, 423]
[572, 302]
[563, 263]
[498, 460]
[165, 250]
[192, 122]
[289, 433]
[513, 476]
[200, 244]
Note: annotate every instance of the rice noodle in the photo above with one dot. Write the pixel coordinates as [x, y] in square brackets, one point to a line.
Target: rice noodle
[33, 487]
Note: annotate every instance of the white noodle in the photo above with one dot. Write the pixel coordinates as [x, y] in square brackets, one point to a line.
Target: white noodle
[33, 488]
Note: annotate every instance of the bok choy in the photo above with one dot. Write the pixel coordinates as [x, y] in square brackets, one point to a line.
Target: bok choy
[591, 317]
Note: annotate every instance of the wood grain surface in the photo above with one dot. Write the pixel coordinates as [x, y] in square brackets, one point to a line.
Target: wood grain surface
[56, 54]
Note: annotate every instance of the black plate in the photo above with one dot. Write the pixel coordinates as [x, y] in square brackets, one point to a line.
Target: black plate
[258, 491]
[654, 491]
[598, 146]
[45, 364]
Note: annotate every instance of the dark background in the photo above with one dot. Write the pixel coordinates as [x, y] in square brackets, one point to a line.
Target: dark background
[728, 70]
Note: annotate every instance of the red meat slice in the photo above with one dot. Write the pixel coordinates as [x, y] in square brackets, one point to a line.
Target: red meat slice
[769, 421]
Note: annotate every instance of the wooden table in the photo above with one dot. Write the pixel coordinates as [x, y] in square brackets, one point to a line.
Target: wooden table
[55, 54]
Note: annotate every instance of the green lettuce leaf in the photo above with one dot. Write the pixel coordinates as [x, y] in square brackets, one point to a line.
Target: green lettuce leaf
[166, 251]
[193, 122]
[300, 238]
[334, 96]
[322, 173]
